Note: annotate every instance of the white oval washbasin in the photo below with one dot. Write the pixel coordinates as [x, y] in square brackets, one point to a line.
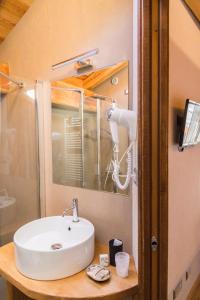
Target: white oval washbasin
[54, 247]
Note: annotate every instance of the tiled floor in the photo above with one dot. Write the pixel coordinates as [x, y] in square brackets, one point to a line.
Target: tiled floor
[2, 290]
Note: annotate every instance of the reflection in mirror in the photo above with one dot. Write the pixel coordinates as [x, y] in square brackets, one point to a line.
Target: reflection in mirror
[81, 140]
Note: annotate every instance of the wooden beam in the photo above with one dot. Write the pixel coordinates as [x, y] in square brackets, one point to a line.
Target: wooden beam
[74, 81]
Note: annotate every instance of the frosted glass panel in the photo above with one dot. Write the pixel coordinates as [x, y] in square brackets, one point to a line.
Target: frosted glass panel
[19, 171]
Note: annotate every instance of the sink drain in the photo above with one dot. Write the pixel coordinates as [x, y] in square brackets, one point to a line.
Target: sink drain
[56, 246]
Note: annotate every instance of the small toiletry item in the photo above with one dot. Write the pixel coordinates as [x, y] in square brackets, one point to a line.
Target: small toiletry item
[122, 260]
[104, 260]
[115, 245]
[98, 273]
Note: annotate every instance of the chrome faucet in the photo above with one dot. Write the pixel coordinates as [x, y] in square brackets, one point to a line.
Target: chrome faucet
[74, 209]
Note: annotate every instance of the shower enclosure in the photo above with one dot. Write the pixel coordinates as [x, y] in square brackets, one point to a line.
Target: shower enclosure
[19, 170]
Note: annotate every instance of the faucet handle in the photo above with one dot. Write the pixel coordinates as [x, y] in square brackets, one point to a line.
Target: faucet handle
[74, 208]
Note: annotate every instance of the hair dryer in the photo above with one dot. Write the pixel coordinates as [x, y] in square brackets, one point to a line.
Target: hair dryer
[126, 118]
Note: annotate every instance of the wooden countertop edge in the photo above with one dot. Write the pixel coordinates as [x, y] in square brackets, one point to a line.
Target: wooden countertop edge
[41, 296]
[31, 293]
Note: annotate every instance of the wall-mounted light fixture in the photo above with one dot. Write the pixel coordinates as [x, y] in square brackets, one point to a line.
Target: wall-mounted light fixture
[79, 58]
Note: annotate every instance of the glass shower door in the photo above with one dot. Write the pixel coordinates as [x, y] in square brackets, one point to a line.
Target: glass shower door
[19, 168]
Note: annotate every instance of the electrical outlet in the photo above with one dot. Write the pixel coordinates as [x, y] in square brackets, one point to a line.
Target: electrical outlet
[177, 289]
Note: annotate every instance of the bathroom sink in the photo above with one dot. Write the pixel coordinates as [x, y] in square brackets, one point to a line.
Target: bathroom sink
[54, 247]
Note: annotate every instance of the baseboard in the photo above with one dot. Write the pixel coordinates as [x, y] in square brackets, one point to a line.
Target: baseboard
[188, 284]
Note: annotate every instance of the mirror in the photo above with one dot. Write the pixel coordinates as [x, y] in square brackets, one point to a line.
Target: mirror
[81, 139]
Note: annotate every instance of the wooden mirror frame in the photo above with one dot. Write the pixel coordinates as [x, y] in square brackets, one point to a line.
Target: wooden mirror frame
[153, 148]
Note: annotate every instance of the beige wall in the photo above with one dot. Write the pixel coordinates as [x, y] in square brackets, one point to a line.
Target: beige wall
[58, 29]
[52, 31]
[184, 168]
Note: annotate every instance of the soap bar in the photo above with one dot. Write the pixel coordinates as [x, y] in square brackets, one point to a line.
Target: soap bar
[98, 273]
[104, 260]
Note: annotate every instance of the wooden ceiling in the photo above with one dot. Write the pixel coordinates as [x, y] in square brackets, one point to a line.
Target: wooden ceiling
[11, 12]
[87, 82]
[91, 80]
[194, 6]
[94, 79]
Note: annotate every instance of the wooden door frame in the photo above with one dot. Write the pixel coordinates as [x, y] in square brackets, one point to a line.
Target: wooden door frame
[153, 147]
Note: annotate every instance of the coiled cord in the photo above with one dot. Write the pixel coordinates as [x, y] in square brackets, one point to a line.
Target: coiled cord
[116, 169]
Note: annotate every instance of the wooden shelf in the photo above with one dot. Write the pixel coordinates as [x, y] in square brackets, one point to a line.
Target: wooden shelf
[78, 286]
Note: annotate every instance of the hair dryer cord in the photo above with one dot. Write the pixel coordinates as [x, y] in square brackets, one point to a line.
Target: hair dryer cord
[116, 169]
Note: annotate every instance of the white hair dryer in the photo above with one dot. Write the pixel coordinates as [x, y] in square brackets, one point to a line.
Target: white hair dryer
[126, 118]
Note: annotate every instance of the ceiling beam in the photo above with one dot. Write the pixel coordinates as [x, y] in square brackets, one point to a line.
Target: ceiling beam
[74, 81]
